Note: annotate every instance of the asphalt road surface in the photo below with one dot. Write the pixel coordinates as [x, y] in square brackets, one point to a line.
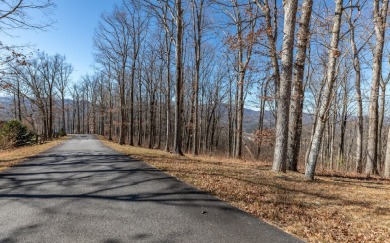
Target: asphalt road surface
[82, 191]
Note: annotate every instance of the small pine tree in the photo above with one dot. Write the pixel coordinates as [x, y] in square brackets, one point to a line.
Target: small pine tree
[62, 133]
[14, 134]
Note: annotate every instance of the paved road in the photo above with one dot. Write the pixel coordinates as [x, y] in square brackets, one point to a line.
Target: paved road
[82, 191]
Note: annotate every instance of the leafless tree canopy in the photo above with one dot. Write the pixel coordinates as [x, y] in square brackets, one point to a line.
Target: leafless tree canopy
[21, 14]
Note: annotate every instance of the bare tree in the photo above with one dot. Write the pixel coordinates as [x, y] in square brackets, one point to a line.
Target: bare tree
[112, 40]
[171, 14]
[50, 67]
[357, 68]
[137, 26]
[198, 22]
[295, 125]
[65, 70]
[323, 108]
[243, 17]
[283, 98]
[179, 82]
[380, 15]
[271, 25]
[29, 75]
[15, 14]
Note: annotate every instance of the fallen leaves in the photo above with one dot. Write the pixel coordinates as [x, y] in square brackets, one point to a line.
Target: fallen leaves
[14, 156]
[333, 209]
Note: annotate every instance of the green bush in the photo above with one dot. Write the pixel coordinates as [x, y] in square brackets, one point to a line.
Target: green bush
[62, 133]
[14, 134]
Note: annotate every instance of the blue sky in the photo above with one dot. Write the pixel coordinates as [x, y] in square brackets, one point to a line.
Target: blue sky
[71, 35]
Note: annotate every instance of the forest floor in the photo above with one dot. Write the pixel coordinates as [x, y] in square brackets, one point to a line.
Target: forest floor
[333, 208]
[14, 156]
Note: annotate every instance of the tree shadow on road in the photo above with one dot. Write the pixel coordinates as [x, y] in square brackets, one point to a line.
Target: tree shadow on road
[98, 177]
[70, 191]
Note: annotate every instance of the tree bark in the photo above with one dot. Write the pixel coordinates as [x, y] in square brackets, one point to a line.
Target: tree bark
[198, 34]
[326, 94]
[179, 81]
[380, 123]
[295, 125]
[356, 66]
[343, 124]
[380, 15]
[283, 99]
[386, 170]
[122, 132]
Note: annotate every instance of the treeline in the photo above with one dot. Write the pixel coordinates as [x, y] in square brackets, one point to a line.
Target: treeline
[176, 75]
[39, 86]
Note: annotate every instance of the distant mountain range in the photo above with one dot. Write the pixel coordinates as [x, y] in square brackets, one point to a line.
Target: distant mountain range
[251, 117]
[5, 112]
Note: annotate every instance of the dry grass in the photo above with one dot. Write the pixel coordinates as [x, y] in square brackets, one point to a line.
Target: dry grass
[11, 157]
[331, 209]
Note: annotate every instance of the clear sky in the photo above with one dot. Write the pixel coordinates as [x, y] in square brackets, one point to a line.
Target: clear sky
[71, 35]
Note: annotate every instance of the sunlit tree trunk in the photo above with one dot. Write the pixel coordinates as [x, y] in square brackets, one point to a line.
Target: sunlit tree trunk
[295, 125]
[356, 66]
[380, 15]
[323, 108]
[283, 98]
[386, 170]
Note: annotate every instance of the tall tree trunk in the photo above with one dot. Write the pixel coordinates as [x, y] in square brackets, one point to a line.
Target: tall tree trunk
[326, 94]
[50, 114]
[245, 46]
[356, 67]
[343, 125]
[380, 123]
[18, 101]
[235, 124]
[386, 171]
[63, 112]
[78, 116]
[139, 142]
[283, 99]
[240, 112]
[295, 125]
[332, 135]
[198, 29]
[179, 81]
[122, 131]
[160, 114]
[131, 104]
[110, 122]
[152, 118]
[168, 93]
[264, 92]
[380, 15]
[230, 120]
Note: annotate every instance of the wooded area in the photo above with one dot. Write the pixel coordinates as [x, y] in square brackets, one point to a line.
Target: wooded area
[178, 75]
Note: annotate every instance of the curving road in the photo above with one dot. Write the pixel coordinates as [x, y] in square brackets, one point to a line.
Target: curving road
[82, 191]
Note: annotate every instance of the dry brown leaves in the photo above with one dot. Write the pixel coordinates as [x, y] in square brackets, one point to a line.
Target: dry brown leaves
[331, 209]
[14, 156]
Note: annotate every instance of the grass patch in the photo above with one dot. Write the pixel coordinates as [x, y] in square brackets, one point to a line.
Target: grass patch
[331, 209]
[14, 156]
